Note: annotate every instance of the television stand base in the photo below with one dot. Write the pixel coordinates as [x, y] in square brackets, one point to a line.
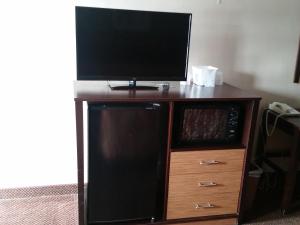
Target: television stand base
[132, 86]
[121, 88]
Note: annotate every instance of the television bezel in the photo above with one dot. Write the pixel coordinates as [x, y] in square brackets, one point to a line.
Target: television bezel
[130, 77]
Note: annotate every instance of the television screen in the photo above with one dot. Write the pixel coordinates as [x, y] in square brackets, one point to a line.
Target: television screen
[114, 44]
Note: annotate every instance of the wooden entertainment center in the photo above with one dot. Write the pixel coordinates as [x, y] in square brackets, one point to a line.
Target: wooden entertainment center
[204, 184]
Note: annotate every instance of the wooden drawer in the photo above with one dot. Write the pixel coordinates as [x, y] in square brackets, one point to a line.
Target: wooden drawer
[208, 161]
[206, 183]
[231, 221]
[184, 205]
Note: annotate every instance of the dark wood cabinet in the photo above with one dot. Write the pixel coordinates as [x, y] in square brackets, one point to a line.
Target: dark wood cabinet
[204, 181]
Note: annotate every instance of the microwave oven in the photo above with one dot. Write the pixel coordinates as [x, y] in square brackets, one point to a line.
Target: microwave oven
[207, 123]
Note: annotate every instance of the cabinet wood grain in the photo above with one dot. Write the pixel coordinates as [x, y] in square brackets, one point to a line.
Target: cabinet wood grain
[204, 183]
[199, 161]
[184, 205]
[207, 183]
[231, 221]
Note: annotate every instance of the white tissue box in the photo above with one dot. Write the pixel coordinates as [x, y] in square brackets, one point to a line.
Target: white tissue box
[204, 75]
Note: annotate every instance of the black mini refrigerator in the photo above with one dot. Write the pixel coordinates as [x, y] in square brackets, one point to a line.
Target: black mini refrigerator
[127, 145]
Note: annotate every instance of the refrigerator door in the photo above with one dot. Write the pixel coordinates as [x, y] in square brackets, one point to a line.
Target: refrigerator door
[127, 150]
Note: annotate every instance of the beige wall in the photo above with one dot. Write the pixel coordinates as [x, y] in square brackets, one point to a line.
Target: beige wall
[253, 41]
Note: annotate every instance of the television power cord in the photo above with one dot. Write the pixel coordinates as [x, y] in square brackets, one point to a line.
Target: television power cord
[270, 132]
[108, 84]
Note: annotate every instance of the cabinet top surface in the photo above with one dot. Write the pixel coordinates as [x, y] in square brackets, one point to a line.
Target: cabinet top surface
[87, 91]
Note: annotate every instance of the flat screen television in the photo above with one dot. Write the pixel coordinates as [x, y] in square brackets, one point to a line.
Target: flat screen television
[115, 44]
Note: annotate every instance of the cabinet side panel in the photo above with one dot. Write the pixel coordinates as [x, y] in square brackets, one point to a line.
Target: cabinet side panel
[248, 136]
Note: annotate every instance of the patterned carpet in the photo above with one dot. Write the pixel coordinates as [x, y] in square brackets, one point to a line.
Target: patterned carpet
[60, 208]
[53, 205]
[43, 210]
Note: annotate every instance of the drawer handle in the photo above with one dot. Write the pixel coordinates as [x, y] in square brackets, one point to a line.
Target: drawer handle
[204, 206]
[207, 184]
[209, 162]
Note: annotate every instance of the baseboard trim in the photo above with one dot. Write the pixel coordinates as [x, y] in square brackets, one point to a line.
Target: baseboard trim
[28, 192]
